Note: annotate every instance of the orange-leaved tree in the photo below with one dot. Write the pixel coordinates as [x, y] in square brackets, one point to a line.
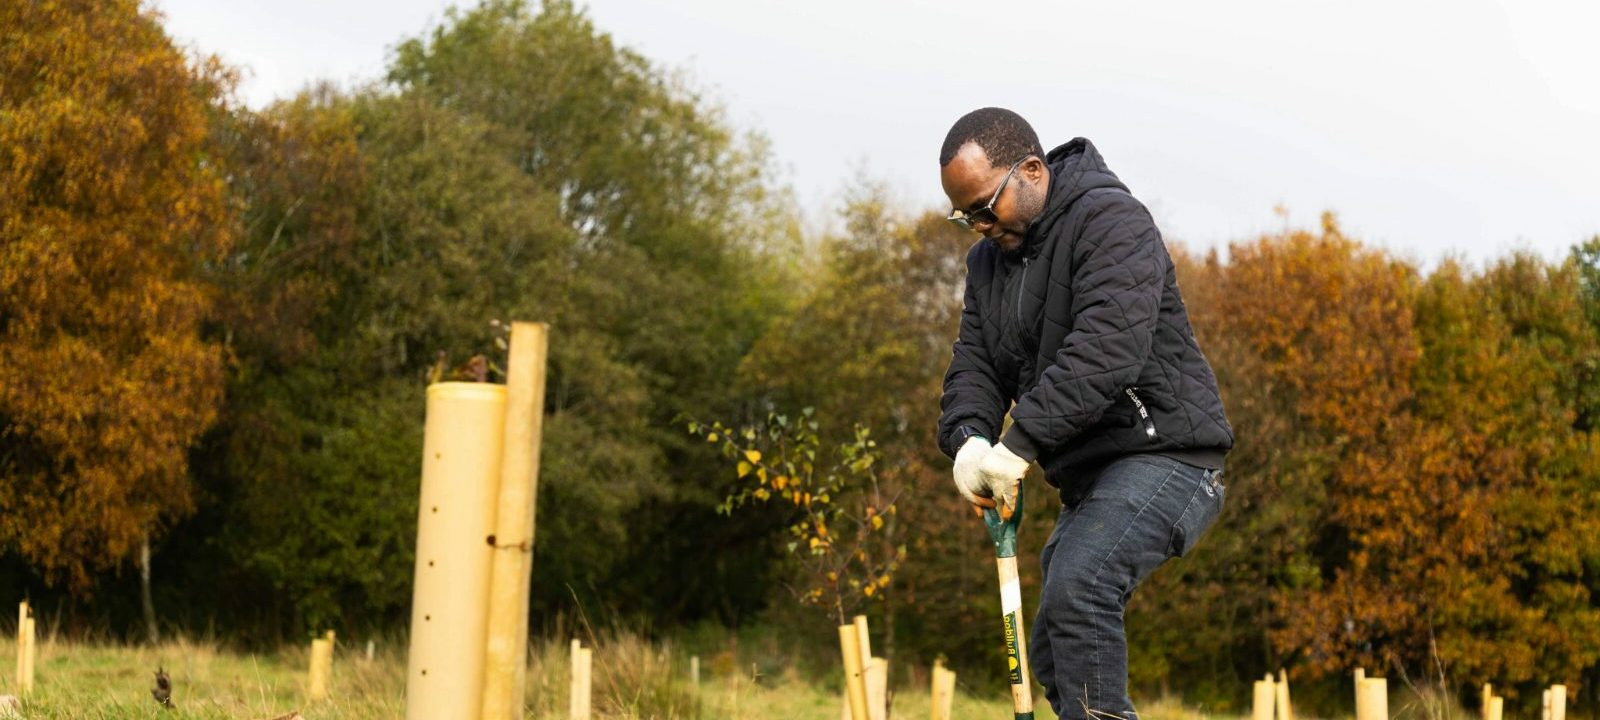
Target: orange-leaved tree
[109, 203]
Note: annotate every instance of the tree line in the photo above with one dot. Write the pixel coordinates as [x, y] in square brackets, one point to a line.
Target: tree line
[217, 323]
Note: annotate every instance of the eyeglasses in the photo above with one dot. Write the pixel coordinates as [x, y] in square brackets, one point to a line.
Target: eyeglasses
[984, 215]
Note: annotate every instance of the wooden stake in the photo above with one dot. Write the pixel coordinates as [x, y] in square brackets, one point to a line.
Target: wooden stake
[22, 624]
[944, 691]
[694, 670]
[1285, 710]
[870, 671]
[30, 655]
[1544, 705]
[1497, 707]
[864, 640]
[506, 652]
[24, 678]
[327, 665]
[1483, 697]
[1372, 702]
[1261, 707]
[1558, 702]
[854, 681]
[582, 681]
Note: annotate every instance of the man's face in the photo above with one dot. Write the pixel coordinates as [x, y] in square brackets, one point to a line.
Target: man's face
[970, 180]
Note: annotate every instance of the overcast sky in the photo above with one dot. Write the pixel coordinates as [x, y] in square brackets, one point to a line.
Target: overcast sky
[1466, 127]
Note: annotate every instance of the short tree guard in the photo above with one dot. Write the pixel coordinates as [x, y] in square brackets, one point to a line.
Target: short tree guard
[1372, 700]
[579, 694]
[944, 691]
[321, 670]
[1261, 701]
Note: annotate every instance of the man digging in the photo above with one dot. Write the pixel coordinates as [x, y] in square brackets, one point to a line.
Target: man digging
[1072, 313]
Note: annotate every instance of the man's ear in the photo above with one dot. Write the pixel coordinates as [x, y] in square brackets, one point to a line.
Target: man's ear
[1034, 168]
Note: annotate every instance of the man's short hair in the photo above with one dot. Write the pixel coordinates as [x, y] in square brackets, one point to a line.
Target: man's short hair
[1003, 135]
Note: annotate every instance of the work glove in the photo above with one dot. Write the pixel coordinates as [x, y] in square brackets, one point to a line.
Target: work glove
[967, 479]
[999, 472]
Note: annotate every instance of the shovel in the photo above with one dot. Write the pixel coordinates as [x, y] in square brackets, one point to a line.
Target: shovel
[1002, 525]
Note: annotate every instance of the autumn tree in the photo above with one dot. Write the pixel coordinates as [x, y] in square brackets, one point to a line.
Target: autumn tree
[1200, 623]
[110, 204]
[1310, 336]
[1408, 487]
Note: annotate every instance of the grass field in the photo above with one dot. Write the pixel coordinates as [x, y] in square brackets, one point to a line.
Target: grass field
[633, 679]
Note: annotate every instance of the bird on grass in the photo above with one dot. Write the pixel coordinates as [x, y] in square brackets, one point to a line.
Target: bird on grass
[162, 692]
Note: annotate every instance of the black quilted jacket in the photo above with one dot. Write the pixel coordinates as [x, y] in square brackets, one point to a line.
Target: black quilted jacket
[1083, 327]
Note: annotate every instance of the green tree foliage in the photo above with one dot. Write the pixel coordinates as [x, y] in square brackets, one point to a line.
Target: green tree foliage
[1585, 258]
[109, 202]
[385, 227]
[666, 278]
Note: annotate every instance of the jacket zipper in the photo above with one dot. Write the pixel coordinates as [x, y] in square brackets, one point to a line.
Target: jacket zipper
[1149, 424]
[1021, 283]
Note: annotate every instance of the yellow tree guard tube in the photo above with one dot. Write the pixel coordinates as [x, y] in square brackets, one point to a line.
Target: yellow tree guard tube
[461, 448]
[1373, 701]
[944, 692]
[582, 685]
[321, 667]
[1261, 707]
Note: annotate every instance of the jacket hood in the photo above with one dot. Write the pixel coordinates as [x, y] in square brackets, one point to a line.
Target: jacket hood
[1075, 169]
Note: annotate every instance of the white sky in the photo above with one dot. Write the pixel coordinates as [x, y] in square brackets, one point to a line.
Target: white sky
[1431, 127]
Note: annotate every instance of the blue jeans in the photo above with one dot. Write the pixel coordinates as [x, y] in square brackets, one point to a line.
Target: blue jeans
[1118, 524]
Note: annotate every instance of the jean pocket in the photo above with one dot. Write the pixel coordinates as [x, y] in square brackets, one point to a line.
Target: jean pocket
[1204, 507]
